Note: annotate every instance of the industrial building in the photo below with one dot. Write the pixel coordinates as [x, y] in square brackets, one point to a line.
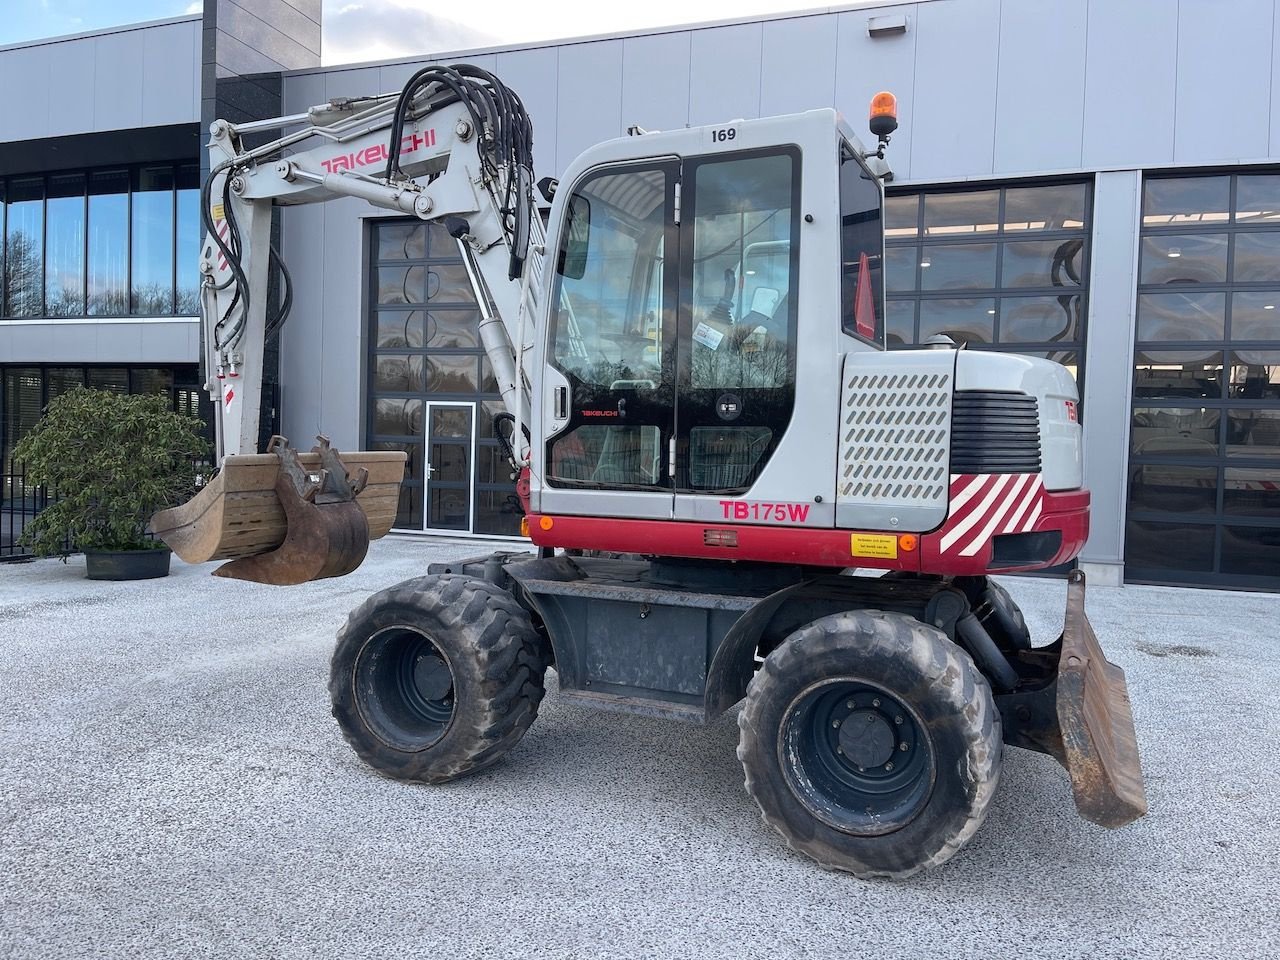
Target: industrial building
[1095, 182]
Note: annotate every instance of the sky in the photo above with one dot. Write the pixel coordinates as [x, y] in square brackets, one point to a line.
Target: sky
[383, 29]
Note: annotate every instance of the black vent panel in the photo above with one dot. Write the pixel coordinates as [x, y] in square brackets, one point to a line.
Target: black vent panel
[994, 432]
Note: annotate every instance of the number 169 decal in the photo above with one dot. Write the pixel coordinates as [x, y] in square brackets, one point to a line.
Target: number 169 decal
[724, 134]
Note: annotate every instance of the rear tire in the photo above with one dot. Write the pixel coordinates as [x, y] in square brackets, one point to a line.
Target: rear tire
[871, 743]
[436, 677]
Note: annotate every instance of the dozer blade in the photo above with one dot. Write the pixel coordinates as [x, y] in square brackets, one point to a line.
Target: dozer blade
[1100, 747]
[283, 517]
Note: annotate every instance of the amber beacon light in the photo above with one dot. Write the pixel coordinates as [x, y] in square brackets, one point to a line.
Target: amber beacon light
[884, 114]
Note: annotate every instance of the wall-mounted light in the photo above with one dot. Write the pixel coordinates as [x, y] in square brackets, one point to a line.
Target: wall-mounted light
[894, 25]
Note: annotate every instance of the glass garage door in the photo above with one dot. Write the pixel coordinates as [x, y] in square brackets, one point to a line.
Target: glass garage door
[1003, 267]
[1204, 453]
[430, 391]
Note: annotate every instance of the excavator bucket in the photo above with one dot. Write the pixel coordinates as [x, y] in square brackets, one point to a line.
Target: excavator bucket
[1100, 748]
[284, 517]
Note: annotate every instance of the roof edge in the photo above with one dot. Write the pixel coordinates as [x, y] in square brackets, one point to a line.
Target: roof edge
[105, 31]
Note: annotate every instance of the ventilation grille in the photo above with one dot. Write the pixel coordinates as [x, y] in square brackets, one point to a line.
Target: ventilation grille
[994, 433]
[894, 438]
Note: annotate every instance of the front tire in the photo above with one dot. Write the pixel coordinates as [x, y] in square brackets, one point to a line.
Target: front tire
[436, 677]
[871, 743]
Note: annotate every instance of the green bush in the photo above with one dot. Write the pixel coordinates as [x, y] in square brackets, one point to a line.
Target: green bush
[111, 460]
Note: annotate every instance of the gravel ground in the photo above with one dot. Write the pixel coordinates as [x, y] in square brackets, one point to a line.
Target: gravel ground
[172, 785]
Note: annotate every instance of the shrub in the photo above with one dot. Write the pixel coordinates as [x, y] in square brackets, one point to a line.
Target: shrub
[110, 460]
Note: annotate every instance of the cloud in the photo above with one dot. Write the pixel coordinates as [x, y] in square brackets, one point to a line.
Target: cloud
[195, 7]
[385, 29]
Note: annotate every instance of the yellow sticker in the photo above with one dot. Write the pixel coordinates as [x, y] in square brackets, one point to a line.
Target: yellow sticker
[878, 545]
[218, 212]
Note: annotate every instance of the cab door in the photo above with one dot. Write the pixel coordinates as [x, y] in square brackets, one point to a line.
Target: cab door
[739, 267]
[613, 337]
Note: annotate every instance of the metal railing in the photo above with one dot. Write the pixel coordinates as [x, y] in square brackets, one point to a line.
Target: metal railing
[20, 501]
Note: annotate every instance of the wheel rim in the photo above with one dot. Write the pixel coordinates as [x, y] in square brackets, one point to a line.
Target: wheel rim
[856, 756]
[404, 688]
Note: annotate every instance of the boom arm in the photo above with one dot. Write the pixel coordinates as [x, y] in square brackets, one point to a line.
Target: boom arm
[455, 147]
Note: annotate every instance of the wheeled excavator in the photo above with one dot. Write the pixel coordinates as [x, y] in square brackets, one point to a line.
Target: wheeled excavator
[733, 492]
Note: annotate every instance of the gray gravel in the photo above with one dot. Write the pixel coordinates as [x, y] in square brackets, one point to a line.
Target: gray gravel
[171, 785]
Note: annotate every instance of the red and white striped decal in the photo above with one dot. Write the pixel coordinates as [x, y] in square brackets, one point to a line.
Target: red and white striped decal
[989, 504]
[222, 233]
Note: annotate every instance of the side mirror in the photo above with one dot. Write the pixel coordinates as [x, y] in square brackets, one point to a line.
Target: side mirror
[576, 240]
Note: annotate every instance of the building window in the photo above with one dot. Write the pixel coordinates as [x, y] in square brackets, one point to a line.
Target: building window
[1003, 267]
[28, 389]
[1204, 454]
[106, 243]
[430, 390]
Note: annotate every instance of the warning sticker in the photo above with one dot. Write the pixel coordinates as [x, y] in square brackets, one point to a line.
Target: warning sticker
[708, 336]
[218, 212]
[878, 545]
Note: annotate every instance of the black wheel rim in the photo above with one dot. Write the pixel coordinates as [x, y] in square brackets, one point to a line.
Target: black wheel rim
[857, 757]
[404, 688]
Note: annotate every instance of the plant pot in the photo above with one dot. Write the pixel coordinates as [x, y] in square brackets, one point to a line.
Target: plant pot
[126, 564]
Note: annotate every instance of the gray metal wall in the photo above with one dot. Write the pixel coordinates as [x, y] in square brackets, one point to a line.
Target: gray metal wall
[986, 89]
[141, 76]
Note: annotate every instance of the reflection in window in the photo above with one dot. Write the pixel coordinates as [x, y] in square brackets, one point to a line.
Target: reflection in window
[1018, 253]
[64, 246]
[965, 321]
[1043, 263]
[1181, 316]
[1173, 431]
[24, 239]
[1257, 257]
[743, 289]
[109, 243]
[1040, 319]
[1175, 258]
[958, 266]
[1254, 315]
[189, 233]
[152, 242]
[609, 308]
[961, 214]
[1058, 206]
[862, 251]
[1169, 201]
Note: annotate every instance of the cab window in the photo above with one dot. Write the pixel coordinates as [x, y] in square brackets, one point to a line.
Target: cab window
[861, 251]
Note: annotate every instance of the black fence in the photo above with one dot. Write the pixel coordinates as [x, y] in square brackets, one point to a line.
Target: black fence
[20, 501]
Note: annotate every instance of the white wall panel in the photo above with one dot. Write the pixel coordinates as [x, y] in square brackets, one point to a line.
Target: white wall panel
[589, 97]
[303, 91]
[1130, 65]
[71, 76]
[532, 75]
[26, 86]
[655, 81]
[1039, 103]
[169, 87]
[865, 66]
[338, 412]
[1224, 80]
[953, 122]
[117, 91]
[302, 364]
[798, 65]
[352, 83]
[724, 73]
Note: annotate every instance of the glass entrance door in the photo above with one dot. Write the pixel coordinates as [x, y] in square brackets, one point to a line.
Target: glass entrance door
[450, 467]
